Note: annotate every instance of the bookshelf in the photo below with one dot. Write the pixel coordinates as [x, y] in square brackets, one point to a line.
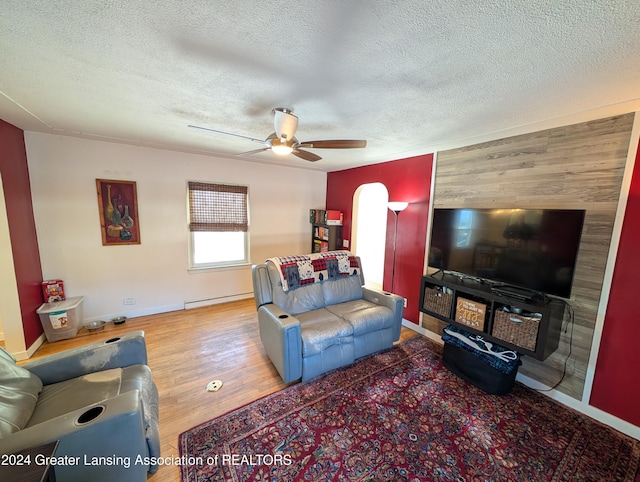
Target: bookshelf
[326, 234]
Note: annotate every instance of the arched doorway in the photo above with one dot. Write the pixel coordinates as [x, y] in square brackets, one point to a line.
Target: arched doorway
[368, 231]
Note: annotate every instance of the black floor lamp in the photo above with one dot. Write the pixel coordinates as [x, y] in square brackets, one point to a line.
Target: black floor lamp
[397, 207]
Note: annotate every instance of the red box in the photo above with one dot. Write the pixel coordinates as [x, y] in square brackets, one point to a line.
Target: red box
[53, 290]
[334, 218]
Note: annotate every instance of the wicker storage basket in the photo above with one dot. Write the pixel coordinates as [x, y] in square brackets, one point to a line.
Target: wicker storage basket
[518, 330]
[438, 302]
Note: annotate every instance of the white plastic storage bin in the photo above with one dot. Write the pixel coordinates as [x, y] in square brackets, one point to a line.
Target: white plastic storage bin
[61, 319]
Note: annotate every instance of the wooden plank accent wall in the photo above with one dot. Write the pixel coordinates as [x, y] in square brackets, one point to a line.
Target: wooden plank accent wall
[572, 167]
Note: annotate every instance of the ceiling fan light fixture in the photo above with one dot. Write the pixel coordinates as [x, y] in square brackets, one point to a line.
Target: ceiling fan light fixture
[282, 149]
[281, 146]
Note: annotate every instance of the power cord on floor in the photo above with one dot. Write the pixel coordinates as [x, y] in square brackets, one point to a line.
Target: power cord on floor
[570, 321]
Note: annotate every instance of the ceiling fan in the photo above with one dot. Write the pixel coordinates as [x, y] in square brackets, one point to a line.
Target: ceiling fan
[283, 141]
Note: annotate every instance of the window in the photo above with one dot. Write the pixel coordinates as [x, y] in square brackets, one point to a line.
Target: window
[218, 225]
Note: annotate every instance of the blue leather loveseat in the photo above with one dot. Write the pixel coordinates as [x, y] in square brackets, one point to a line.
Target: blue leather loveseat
[315, 315]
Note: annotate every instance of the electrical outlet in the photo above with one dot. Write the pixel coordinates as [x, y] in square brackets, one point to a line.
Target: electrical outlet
[405, 302]
[129, 301]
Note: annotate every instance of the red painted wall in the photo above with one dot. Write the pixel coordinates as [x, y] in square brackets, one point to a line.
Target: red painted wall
[616, 387]
[406, 180]
[22, 228]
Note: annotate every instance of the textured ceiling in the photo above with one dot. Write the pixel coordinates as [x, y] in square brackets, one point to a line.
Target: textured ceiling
[410, 77]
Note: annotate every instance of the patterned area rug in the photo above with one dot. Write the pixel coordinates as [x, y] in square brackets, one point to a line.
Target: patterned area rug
[400, 415]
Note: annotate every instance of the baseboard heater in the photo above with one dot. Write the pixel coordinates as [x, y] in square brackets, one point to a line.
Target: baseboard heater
[188, 305]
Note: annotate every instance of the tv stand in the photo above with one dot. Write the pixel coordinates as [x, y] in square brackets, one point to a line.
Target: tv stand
[525, 321]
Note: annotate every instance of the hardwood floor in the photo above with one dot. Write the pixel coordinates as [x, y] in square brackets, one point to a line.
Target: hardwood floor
[188, 349]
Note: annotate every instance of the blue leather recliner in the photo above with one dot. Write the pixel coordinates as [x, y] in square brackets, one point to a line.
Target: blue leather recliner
[98, 401]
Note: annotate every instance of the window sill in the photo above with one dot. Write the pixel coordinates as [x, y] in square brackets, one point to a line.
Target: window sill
[228, 267]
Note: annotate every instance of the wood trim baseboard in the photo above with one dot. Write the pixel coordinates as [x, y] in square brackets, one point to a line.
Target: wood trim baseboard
[189, 305]
[28, 353]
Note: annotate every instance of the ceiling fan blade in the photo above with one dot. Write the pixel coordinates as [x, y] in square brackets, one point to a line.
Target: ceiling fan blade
[261, 141]
[306, 155]
[334, 144]
[253, 152]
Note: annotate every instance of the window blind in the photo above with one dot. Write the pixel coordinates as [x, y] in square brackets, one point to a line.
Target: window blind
[217, 207]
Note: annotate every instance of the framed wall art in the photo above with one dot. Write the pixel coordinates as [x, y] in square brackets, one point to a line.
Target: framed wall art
[118, 206]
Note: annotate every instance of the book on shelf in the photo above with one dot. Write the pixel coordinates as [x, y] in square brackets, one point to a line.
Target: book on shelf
[322, 233]
[330, 217]
[320, 246]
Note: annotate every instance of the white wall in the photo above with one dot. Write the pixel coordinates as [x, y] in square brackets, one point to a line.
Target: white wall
[63, 171]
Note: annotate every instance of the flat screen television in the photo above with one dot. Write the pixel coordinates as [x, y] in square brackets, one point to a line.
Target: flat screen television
[532, 249]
